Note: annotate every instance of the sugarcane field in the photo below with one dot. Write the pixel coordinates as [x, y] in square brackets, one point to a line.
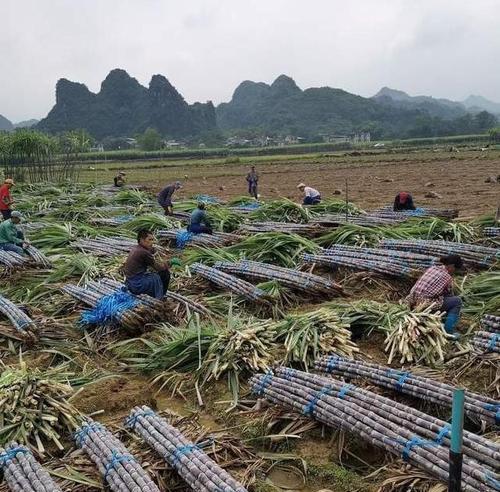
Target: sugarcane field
[175, 330]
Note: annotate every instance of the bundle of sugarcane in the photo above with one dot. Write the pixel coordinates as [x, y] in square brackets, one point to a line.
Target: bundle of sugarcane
[443, 213]
[413, 260]
[479, 256]
[53, 236]
[482, 293]
[35, 407]
[19, 319]
[416, 335]
[294, 279]
[193, 465]
[38, 257]
[230, 282]
[334, 206]
[216, 239]
[13, 260]
[307, 335]
[382, 266]
[485, 341]
[105, 246]
[491, 231]
[118, 220]
[478, 407]
[282, 210]
[372, 254]
[420, 439]
[285, 227]
[119, 468]
[362, 220]
[491, 323]
[22, 472]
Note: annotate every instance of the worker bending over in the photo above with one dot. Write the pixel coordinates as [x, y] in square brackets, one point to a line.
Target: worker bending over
[311, 196]
[119, 179]
[6, 200]
[252, 180]
[12, 238]
[141, 259]
[165, 197]
[435, 286]
[199, 223]
[403, 201]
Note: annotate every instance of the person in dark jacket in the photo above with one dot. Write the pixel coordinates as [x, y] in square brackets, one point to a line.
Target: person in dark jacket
[200, 223]
[119, 179]
[138, 277]
[165, 197]
[403, 201]
[252, 180]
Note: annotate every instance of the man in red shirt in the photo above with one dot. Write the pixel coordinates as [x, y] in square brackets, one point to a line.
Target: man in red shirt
[6, 198]
[435, 286]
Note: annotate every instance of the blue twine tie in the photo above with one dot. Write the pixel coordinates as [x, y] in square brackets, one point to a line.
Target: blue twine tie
[81, 434]
[444, 432]
[332, 363]
[403, 377]
[415, 442]
[493, 408]
[493, 341]
[182, 451]
[11, 454]
[309, 408]
[261, 385]
[343, 391]
[132, 420]
[116, 458]
[109, 308]
[182, 238]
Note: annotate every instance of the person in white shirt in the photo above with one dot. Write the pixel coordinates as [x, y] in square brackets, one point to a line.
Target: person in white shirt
[311, 196]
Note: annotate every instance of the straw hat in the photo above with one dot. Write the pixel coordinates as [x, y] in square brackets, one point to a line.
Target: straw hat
[301, 185]
[9, 181]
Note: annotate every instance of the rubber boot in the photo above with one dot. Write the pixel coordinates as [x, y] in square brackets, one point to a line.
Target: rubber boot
[449, 325]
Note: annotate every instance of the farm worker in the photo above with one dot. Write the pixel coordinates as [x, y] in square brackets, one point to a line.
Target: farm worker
[403, 201]
[119, 179]
[435, 286]
[199, 223]
[6, 200]
[311, 196]
[141, 258]
[252, 180]
[165, 197]
[11, 238]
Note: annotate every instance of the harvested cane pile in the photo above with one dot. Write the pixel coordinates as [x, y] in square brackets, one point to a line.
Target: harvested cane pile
[491, 231]
[478, 407]
[193, 465]
[491, 323]
[486, 342]
[22, 323]
[293, 279]
[105, 246]
[181, 237]
[22, 472]
[119, 468]
[362, 220]
[35, 407]
[230, 282]
[403, 431]
[285, 227]
[419, 212]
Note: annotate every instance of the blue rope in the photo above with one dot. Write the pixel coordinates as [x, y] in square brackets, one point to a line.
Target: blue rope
[182, 238]
[84, 431]
[492, 480]
[415, 441]
[418, 211]
[403, 377]
[444, 432]
[493, 408]
[343, 391]
[11, 454]
[332, 362]
[309, 408]
[132, 420]
[261, 385]
[493, 341]
[116, 458]
[109, 308]
[206, 199]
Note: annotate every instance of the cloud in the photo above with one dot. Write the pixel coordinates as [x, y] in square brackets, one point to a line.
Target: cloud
[206, 48]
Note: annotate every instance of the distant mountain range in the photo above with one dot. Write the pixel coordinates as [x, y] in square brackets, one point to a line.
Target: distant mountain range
[124, 108]
[8, 126]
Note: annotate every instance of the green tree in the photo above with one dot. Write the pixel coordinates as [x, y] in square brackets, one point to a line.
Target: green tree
[495, 134]
[485, 120]
[150, 140]
[75, 141]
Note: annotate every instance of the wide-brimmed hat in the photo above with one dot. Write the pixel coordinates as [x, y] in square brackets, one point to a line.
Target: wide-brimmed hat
[16, 214]
[301, 185]
[9, 181]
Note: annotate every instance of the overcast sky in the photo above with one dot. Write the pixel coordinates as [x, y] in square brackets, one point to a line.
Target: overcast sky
[444, 48]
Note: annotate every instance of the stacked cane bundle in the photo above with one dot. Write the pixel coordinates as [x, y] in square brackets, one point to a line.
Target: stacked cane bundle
[418, 438]
[472, 254]
[105, 246]
[208, 240]
[285, 227]
[491, 323]
[193, 465]
[38, 257]
[230, 282]
[477, 406]
[362, 220]
[13, 260]
[491, 231]
[21, 321]
[485, 342]
[22, 472]
[119, 468]
[293, 279]
[112, 221]
[383, 266]
[388, 212]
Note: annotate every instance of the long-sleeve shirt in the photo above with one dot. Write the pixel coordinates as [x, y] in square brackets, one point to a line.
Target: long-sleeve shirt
[165, 195]
[252, 177]
[8, 233]
[432, 286]
[5, 197]
[199, 216]
[311, 192]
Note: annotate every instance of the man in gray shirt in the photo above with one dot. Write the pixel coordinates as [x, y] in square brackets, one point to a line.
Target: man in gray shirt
[165, 197]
